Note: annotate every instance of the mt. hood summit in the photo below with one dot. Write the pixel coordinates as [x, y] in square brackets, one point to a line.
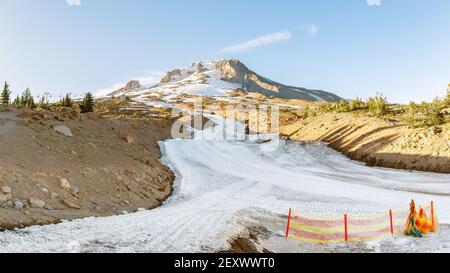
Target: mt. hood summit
[220, 79]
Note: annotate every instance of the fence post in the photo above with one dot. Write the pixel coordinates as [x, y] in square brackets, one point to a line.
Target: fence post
[391, 221]
[432, 214]
[289, 223]
[346, 227]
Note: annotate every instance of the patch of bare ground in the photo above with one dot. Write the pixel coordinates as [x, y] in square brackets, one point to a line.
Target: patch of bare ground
[249, 240]
[111, 163]
[377, 142]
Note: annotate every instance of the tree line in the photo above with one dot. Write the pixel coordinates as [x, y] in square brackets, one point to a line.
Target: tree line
[424, 114]
[26, 100]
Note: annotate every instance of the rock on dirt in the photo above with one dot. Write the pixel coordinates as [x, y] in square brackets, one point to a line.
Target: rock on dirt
[37, 203]
[129, 139]
[70, 204]
[73, 190]
[65, 184]
[63, 130]
[6, 190]
[18, 204]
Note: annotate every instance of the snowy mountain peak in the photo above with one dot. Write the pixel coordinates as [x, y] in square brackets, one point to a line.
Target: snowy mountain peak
[220, 79]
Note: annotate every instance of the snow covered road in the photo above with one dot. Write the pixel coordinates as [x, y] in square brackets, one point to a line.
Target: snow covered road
[218, 180]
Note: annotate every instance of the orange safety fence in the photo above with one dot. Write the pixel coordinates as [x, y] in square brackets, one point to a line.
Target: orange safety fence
[349, 228]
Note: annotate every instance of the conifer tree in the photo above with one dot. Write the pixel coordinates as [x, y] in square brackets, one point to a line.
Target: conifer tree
[44, 102]
[16, 103]
[5, 96]
[27, 100]
[87, 105]
[66, 101]
[447, 98]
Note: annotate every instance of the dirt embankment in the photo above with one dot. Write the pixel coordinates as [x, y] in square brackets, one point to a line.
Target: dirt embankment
[377, 142]
[111, 164]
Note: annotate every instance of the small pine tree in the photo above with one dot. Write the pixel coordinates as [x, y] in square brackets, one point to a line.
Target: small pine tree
[27, 100]
[5, 96]
[44, 102]
[87, 105]
[16, 103]
[66, 101]
[447, 98]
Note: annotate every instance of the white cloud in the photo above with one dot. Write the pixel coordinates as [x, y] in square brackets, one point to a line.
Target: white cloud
[73, 2]
[374, 3]
[267, 39]
[312, 29]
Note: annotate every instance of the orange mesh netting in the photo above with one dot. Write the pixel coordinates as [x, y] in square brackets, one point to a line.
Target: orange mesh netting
[348, 228]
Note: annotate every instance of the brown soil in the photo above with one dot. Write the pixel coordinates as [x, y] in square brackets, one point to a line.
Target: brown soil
[113, 159]
[241, 245]
[377, 142]
[249, 241]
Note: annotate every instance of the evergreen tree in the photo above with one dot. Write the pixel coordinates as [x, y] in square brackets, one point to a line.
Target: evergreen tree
[16, 103]
[44, 102]
[5, 96]
[66, 101]
[87, 105]
[27, 100]
[447, 98]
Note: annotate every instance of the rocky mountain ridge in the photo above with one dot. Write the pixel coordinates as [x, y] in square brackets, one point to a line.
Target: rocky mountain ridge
[219, 78]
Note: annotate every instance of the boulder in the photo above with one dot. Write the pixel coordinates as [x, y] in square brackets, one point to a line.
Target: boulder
[70, 204]
[9, 204]
[37, 203]
[63, 130]
[65, 184]
[18, 204]
[73, 190]
[129, 139]
[6, 190]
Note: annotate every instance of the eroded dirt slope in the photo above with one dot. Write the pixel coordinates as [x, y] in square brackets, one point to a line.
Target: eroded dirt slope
[377, 142]
[111, 164]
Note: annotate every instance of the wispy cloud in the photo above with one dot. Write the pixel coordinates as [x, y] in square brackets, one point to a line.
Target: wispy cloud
[374, 3]
[311, 29]
[267, 39]
[73, 2]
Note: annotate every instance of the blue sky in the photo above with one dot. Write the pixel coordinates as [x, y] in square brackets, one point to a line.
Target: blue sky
[398, 47]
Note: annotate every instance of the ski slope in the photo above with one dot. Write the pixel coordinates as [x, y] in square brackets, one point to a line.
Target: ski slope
[219, 180]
